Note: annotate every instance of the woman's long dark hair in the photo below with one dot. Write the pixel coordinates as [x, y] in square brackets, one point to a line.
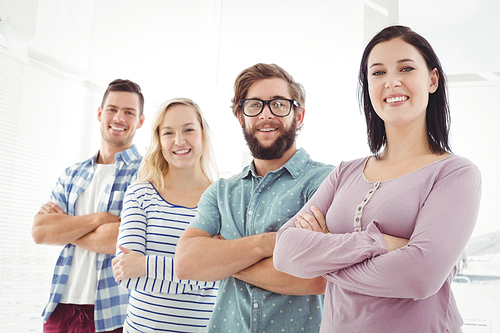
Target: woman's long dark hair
[438, 111]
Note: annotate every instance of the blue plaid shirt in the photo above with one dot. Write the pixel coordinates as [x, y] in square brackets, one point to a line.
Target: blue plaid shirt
[248, 204]
[111, 301]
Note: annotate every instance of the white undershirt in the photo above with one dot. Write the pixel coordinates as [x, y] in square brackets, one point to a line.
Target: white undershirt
[82, 280]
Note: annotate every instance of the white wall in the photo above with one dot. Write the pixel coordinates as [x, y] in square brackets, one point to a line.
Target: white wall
[196, 48]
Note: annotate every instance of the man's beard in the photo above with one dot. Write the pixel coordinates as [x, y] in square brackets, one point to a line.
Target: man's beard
[277, 149]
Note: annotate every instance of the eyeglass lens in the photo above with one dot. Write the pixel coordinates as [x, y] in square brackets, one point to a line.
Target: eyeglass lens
[280, 107]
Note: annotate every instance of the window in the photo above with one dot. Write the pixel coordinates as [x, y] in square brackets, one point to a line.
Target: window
[48, 122]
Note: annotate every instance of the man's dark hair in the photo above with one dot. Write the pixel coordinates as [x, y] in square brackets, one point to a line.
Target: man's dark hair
[127, 86]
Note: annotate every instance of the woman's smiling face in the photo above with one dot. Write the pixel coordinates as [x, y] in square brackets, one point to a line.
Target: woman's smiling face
[181, 137]
[399, 83]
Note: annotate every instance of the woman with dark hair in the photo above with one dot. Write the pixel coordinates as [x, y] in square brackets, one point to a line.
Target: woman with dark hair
[387, 230]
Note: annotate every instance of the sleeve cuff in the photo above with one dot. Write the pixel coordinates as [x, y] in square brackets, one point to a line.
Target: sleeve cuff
[373, 230]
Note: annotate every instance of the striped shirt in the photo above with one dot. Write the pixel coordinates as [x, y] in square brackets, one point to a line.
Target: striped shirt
[160, 301]
[111, 300]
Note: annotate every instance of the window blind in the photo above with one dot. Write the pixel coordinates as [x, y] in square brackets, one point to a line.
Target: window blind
[48, 121]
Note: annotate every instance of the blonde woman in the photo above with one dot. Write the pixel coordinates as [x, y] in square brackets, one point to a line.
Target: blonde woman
[157, 208]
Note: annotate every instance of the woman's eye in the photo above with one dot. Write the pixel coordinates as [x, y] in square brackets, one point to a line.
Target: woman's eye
[377, 73]
[407, 69]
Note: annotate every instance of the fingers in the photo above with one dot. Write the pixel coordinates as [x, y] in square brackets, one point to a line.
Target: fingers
[129, 265]
[302, 222]
[314, 223]
[51, 208]
[117, 275]
[219, 236]
[320, 219]
[124, 249]
[56, 208]
[46, 209]
[116, 268]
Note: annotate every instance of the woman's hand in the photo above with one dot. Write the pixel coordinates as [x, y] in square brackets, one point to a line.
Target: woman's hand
[310, 222]
[128, 265]
[394, 243]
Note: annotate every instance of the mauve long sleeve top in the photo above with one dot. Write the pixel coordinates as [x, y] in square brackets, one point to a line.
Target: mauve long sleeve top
[370, 289]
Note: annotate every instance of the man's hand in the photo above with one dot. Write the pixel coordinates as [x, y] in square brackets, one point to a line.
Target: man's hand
[314, 223]
[128, 265]
[50, 208]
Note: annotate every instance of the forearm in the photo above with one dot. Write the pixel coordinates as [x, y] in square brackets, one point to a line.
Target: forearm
[61, 229]
[101, 240]
[160, 268]
[440, 236]
[265, 276]
[205, 258]
[309, 254]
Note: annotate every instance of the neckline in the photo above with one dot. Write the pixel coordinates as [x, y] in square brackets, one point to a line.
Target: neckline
[409, 173]
[162, 198]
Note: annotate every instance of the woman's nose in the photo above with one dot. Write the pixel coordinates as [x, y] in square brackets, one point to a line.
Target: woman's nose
[392, 81]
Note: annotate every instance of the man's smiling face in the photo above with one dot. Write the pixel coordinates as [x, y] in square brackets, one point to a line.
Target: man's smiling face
[120, 118]
[269, 137]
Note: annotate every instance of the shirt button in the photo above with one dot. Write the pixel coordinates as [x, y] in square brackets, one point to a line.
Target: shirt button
[255, 305]
[250, 212]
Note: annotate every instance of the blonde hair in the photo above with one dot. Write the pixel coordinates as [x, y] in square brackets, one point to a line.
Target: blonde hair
[154, 166]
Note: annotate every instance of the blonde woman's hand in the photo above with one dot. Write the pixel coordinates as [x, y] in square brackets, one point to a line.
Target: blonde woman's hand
[128, 265]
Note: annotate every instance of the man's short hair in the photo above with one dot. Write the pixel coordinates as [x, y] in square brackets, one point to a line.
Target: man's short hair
[261, 72]
[127, 86]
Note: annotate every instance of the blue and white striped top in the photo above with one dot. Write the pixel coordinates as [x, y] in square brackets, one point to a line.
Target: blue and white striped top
[160, 301]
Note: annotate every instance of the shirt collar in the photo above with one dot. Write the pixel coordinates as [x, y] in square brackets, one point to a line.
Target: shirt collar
[294, 165]
[127, 156]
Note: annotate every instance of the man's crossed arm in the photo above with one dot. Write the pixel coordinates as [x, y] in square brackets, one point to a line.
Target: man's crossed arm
[95, 232]
[199, 256]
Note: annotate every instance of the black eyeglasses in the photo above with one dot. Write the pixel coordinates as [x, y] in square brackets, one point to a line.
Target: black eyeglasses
[280, 107]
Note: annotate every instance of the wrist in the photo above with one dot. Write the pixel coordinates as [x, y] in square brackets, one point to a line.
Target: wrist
[98, 219]
[267, 244]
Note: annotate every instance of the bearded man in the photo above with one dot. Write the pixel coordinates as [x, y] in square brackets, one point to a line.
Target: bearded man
[233, 235]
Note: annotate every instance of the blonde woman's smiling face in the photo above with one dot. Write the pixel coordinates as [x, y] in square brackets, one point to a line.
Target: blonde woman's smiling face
[181, 137]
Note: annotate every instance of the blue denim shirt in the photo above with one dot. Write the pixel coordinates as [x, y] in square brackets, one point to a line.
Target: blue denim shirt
[245, 205]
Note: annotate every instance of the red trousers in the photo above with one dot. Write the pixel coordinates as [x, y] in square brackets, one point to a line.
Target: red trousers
[72, 318]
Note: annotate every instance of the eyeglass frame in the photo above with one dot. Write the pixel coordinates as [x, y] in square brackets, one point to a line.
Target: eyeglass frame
[268, 103]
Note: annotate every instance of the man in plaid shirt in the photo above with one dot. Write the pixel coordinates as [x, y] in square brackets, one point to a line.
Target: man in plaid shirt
[83, 215]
